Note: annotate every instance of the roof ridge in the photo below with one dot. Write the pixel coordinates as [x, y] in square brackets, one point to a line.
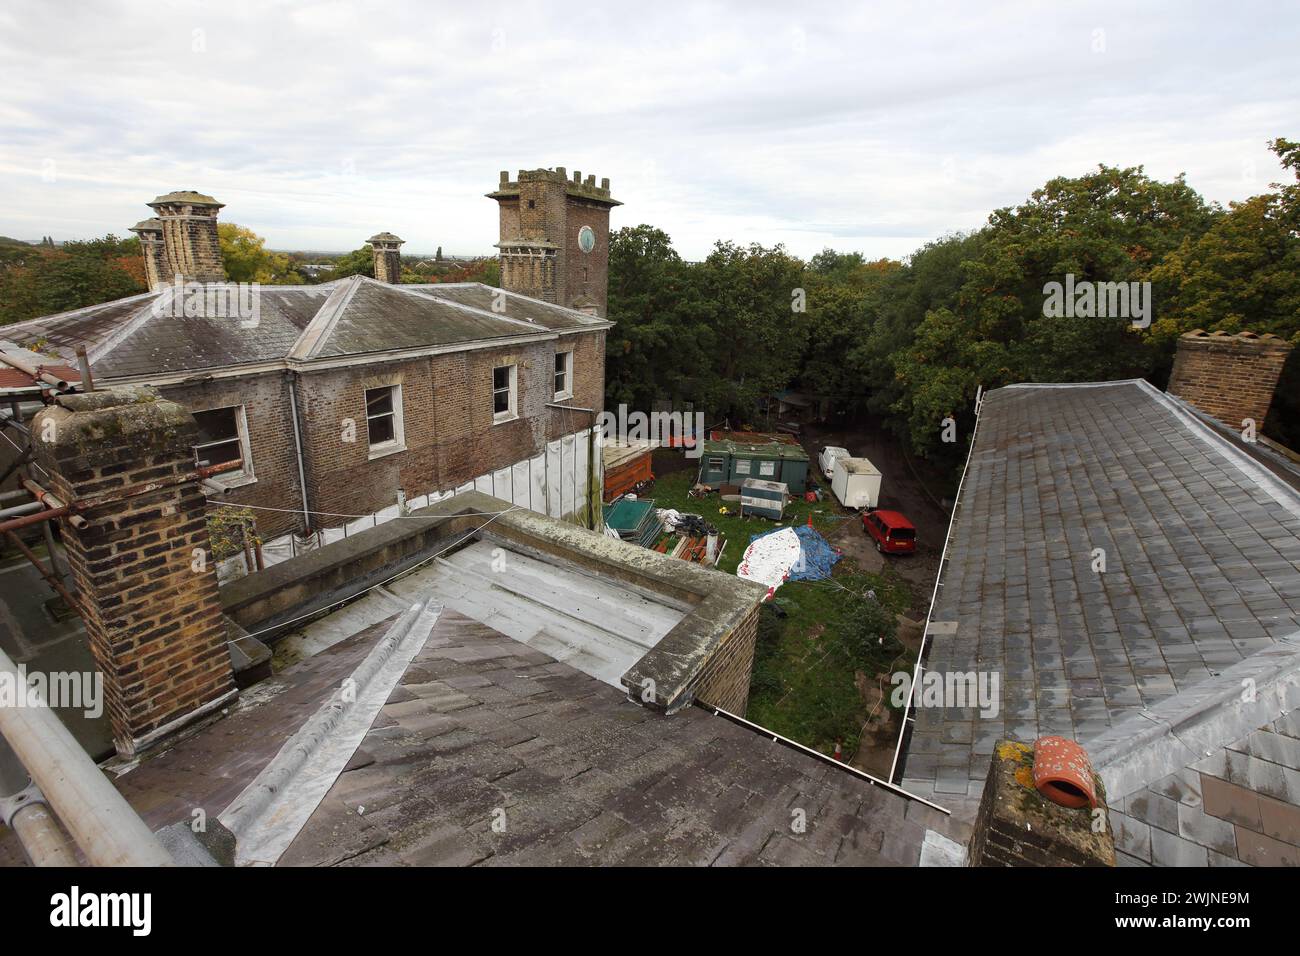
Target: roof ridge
[81, 309]
[130, 326]
[327, 316]
[1279, 491]
[1197, 721]
[488, 313]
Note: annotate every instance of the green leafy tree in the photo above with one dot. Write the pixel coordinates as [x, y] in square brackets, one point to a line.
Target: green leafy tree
[248, 260]
[358, 262]
[43, 280]
[656, 350]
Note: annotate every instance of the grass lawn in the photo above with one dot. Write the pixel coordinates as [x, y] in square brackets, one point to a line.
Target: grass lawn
[803, 684]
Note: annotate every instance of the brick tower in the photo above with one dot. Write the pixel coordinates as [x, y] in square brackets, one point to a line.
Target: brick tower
[555, 237]
[388, 260]
[189, 231]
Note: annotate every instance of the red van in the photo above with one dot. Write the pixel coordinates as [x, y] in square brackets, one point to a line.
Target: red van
[893, 533]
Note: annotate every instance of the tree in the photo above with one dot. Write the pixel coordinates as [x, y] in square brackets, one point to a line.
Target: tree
[358, 262]
[42, 280]
[1242, 273]
[248, 260]
[1111, 225]
[654, 351]
[748, 321]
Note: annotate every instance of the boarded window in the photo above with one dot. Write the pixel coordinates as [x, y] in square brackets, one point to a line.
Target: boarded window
[742, 466]
[767, 468]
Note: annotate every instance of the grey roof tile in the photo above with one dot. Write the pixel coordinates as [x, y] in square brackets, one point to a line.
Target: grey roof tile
[1201, 567]
[145, 335]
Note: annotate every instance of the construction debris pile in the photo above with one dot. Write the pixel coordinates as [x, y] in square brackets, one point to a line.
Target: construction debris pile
[691, 538]
[633, 520]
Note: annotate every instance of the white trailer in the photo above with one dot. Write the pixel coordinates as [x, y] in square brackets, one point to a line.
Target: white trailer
[856, 483]
[826, 460]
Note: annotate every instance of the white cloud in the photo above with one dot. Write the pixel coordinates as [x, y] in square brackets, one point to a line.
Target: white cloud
[863, 127]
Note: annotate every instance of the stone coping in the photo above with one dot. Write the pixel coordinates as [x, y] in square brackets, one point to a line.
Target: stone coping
[269, 601]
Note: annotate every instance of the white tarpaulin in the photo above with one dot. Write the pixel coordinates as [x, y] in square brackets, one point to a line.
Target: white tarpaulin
[768, 559]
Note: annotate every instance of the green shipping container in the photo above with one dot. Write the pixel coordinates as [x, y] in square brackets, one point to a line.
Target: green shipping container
[732, 463]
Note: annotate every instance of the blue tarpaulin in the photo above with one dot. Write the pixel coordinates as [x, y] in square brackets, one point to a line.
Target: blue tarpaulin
[817, 558]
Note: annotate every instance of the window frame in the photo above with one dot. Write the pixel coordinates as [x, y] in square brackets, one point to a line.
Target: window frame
[567, 391]
[398, 441]
[512, 392]
[244, 474]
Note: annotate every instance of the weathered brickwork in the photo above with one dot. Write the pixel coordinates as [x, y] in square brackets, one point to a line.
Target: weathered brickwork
[189, 230]
[386, 249]
[542, 215]
[449, 436]
[1018, 826]
[142, 563]
[154, 252]
[448, 429]
[1231, 377]
[725, 679]
[274, 480]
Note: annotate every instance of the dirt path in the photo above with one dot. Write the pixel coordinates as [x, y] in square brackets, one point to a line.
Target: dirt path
[900, 490]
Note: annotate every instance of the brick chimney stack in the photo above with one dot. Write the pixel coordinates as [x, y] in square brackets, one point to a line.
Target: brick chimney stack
[189, 229]
[388, 260]
[154, 252]
[142, 561]
[555, 237]
[1231, 377]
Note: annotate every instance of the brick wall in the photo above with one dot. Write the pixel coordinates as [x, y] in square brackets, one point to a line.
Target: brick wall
[540, 217]
[1231, 377]
[265, 399]
[192, 248]
[587, 280]
[449, 434]
[724, 680]
[153, 616]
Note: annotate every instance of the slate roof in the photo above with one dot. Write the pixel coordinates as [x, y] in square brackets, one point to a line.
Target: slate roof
[1202, 548]
[584, 776]
[143, 335]
[1238, 804]
[480, 721]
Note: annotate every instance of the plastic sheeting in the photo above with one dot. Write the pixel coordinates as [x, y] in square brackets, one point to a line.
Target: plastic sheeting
[552, 483]
[787, 554]
[819, 556]
[769, 558]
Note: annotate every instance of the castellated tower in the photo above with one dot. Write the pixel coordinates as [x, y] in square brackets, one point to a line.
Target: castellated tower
[555, 237]
[388, 258]
[189, 232]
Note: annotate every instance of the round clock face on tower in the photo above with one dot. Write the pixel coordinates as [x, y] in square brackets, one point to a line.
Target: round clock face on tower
[586, 239]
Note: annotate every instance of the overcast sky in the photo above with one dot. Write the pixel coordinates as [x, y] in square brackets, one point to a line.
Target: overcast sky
[870, 128]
